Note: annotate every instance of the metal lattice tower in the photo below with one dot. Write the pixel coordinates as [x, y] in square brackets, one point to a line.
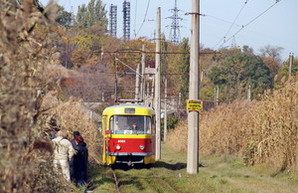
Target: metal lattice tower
[113, 20]
[126, 20]
[175, 27]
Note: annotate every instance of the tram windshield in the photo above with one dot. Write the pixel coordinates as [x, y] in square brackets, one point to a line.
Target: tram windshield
[123, 124]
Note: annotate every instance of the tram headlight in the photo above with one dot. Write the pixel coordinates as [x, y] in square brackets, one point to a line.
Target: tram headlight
[142, 147]
[118, 147]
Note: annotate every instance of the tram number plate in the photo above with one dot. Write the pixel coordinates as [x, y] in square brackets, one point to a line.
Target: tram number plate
[121, 141]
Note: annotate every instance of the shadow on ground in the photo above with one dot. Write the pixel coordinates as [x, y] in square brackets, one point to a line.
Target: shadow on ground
[176, 166]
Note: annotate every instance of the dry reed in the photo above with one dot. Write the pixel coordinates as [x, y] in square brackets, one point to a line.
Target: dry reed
[26, 157]
[260, 131]
[71, 116]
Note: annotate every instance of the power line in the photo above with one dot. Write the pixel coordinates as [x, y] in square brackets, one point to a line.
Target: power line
[236, 17]
[245, 3]
[134, 27]
[214, 17]
[243, 26]
[144, 18]
[149, 52]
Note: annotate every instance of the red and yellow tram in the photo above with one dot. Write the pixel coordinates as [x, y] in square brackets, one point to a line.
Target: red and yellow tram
[129, 134]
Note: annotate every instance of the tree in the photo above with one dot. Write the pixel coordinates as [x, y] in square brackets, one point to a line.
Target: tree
[271, 51]
[236, 70]
[100, 13]
[248, 50]
[63, 17]
[82, 16]
[272, 64]
[183, 68]
[283, 72]
[92, 14]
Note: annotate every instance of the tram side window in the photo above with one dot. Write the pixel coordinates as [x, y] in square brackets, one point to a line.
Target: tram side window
[112, 124]
[148, 125]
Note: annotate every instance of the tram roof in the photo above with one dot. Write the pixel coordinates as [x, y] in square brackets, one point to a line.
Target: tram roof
[120, 109]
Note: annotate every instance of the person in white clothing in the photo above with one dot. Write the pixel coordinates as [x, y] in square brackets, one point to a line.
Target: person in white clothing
[63, 153]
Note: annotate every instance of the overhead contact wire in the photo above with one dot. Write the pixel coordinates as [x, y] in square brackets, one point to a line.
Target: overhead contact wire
[223, 39]
[144, 17]
[254, 19]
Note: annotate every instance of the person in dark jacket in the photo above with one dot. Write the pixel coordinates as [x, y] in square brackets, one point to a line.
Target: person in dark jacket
[73, 142]
[80, 161]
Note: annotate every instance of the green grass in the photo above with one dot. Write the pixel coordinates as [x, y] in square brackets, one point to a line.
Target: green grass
[225, 173]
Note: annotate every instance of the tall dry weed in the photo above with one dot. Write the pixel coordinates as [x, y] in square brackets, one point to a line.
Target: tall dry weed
[222, 129]
[177, 138]
[275, 138]
[260, 131]
[26, 157]
[72, 116]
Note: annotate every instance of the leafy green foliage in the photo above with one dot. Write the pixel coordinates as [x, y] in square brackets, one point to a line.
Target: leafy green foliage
[283, 73]
[93, 13]
[63, 17]
[236, 70]
[183, 69]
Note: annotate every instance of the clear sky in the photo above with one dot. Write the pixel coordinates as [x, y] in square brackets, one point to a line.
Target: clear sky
[278, 26]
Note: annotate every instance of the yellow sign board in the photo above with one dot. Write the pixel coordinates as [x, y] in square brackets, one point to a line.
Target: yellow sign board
[194, 105]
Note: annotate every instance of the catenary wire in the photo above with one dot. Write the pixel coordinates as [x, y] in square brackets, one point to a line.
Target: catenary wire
[251, 21]
[136, 8]
[144, 18]
[223, 38]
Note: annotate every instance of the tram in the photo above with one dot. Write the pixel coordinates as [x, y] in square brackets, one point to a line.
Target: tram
[129, 135]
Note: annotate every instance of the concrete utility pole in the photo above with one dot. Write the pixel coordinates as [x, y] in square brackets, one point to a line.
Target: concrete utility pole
[102, 53]
[143, 72]
[152, 98]
[157, 86]
[194, 72]
[165, 131]
[103, 97]
[147, 94]
[291, 57]
[116, 81]
[138, 77]
[216, 95]
[179, 103]
[249, 93]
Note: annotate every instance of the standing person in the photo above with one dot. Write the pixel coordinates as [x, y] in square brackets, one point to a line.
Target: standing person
[73, 143]
[53, 132]
[80, 161]
[63, 153]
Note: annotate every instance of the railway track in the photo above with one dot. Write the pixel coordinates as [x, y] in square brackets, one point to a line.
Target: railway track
[140, 180]
[116, 181]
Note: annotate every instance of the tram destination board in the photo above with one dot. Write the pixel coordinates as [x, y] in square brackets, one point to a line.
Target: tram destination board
[194, 105]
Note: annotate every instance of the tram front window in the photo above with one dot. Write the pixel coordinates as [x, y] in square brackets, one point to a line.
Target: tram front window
[121, 124]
